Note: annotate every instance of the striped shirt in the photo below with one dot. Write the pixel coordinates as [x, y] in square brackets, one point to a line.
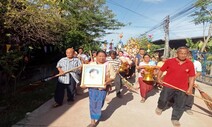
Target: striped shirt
[115, 63]
[66, 64]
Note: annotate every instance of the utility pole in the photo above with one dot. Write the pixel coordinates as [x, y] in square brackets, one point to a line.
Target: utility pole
[166, 30]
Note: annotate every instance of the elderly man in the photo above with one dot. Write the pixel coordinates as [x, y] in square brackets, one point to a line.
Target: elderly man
[67, 81]
[180, 74]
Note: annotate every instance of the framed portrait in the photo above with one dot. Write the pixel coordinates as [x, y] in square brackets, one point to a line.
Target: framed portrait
[93, 75]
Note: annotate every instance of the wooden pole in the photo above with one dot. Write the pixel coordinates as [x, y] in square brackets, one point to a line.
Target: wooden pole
[57, 75]
[185, 92]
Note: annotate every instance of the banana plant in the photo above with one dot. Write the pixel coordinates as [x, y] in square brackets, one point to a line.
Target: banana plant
[192, 45]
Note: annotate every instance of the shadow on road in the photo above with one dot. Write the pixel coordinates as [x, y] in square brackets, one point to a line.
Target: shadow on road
[209, 113]
[47, 115]
[116, 103]
[152, 92]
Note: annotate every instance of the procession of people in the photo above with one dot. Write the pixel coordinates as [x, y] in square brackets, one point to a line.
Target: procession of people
[118, 65]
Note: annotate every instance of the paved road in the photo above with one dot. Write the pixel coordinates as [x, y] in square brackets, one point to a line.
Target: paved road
[125, 112]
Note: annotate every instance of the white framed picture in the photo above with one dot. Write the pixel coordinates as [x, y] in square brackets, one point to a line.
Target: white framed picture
[93, 75]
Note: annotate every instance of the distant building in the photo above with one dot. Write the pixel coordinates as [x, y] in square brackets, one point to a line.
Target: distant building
[175, 43]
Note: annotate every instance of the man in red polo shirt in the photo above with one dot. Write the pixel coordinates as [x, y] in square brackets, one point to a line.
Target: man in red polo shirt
[180, 73]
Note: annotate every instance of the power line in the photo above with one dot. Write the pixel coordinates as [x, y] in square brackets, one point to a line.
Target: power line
[125, 14]
[182, 18]
[140, 26]
[186, 11]
[176, 11]
[116, 4]
[185, 25]
[172, 18]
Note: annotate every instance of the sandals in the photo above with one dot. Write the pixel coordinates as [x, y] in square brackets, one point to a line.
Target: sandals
[91, 125]
[56, 105]
[142, 100]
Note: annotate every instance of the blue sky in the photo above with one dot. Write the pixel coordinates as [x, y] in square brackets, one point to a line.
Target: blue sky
[148, 13]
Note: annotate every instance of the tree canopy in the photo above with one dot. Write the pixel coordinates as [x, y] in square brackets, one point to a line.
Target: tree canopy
[146, 44]
[64, 23]
[204, 15]
[31, 24]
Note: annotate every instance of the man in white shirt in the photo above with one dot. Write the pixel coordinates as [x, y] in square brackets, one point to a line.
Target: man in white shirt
[190, 99]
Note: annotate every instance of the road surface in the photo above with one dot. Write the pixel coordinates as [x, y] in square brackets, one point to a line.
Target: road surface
[125, 112]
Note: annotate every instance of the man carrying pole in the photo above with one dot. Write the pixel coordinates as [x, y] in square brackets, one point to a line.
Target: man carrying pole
[181, 74]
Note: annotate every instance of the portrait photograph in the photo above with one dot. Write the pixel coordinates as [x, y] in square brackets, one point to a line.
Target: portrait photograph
[93, 75]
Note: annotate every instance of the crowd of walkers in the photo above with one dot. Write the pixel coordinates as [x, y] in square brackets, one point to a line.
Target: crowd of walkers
[167, 73]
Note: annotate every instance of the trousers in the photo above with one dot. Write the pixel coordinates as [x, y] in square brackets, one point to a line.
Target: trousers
[118, 83]
[179, 99]
[60, 91]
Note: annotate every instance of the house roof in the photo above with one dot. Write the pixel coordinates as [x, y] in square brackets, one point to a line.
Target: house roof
[175, 43]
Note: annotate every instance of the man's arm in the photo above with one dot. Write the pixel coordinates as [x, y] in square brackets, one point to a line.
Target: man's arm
[60, 70]
[191, 79]
[159, 77]
[190, 85]
[59, 67]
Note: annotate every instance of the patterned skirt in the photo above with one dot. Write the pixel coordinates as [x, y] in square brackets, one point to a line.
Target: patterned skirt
[96, 100]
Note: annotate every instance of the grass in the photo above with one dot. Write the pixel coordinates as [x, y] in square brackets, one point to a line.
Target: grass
[18, 105]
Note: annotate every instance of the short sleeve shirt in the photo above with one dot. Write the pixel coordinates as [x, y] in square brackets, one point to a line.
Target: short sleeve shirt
[66, 64]
[139, 57]
[178, 74]
[197, 66]
[115, 62]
